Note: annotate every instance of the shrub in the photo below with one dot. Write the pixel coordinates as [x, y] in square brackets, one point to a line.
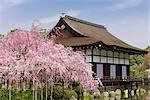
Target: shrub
[60, 92]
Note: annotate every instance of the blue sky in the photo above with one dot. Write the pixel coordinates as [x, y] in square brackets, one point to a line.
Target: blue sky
[129, 20]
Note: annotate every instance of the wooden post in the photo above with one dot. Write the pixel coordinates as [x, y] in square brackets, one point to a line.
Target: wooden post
[136, 85]
[92, 53]
[125, 85]
[105, 87]
[131, 85]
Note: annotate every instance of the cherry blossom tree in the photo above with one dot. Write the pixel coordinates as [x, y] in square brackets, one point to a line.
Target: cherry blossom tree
[26, 56]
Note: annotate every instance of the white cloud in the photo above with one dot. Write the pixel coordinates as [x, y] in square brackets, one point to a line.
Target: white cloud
[55, 18]
[125, 4]
[10, 3]
[45, 22]
[14, 2]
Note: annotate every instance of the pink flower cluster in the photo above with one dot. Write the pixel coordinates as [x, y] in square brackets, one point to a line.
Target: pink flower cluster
[25, 56]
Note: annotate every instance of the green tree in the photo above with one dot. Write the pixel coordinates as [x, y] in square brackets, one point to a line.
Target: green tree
[139, 64]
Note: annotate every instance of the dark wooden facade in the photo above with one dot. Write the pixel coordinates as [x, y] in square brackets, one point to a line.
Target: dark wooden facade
[108, 54]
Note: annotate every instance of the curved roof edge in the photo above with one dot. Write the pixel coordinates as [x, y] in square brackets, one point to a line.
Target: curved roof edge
[122, 44]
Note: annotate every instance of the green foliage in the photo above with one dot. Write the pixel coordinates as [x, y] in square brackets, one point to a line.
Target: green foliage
[139, 64]
[79, 90]
[148, 48]
[137, 68]
[58, 93]
[136, 60]
[3, 94]
[136, 72]
[68, 93]
[87, 96]
[21, 95]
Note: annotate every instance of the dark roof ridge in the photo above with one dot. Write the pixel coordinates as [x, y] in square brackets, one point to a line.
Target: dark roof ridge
[83, 21]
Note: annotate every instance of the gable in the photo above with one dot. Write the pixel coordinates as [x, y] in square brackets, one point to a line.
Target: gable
[79, 32]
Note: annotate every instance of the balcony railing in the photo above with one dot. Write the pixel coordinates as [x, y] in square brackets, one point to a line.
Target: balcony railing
[120, 78]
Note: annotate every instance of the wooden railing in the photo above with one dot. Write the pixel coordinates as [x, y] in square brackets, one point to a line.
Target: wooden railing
[120, 78]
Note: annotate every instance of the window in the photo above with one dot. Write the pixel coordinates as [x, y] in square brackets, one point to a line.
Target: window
[88, 51]
[121, 55]
[94, 67]
[106, 70]
[96, 52]
[110, 53]
[126, 55]
[116, 54]
[103, 52]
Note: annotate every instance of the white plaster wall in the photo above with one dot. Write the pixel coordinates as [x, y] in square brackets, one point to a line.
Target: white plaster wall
[110, 60]
[116, 61]
[88, 52]
[88, 58]
[96, 58]
[127, 61]
[121, 61]
[96, 52]
[103, 60]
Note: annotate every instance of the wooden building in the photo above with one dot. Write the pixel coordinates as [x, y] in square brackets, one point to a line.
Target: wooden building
[108, 54]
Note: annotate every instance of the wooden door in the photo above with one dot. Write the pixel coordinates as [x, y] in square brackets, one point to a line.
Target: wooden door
[118, 71]
[106, 70]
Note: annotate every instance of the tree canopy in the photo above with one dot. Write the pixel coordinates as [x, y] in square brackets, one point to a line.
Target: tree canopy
[140, 65]
[26, 56]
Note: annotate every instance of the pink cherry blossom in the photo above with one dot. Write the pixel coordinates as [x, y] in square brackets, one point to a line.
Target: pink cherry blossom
[25, 56]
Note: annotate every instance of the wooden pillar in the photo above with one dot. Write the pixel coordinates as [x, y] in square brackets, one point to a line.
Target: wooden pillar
[136, 85]
[100, 55]
[92, 52]
[125, 85]
[85, 50]
[107, 56]
[131, 85]
[113, 57]
[105, 86]
[119, 57]
[85, 53]
[124, 58]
